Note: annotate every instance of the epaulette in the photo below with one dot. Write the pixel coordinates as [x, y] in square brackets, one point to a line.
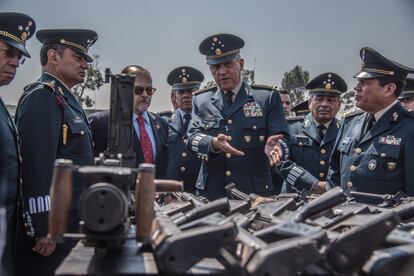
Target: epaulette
[352, 114]
[263, 86]
[211, 88]
[40, 84]
[294, 118]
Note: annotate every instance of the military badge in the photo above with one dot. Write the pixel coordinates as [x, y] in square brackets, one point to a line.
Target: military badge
[391, 165]
[372, 164]
[252, 109]
[23, 36]
[218, 51]
[247, 139]
[261, 138]
[157, 126]
[395, 116]
[328, 86]
[77, 120]
[390, 140]
[184, 80]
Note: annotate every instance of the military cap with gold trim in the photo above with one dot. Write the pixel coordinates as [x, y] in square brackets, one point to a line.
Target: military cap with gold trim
[327, 84]
[374, 65]
[221, 48]
[301, 108]
[185, 78]
[77, 39]
[16, 29]
[408, 91]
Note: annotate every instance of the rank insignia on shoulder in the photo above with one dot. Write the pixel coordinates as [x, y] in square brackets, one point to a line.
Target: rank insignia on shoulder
[390, 140]
[252, 109]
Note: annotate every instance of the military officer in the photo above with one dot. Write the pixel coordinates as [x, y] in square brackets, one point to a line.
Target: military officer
[233, 124]
[15, 30]
[183, 163]
[407, 96]
[373, 151]
[301, 109]
[52, 125]
[313, 136]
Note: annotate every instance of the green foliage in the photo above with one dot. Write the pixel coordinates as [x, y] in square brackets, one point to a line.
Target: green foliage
[294, 81]
[93, 81]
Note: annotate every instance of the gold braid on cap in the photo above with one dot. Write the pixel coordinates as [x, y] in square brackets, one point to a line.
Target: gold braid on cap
[379, 71]
[324, 90]
[73, 44]
[15, 38]
[224, 54]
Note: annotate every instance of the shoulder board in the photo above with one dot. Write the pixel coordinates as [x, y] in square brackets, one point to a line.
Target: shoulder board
[263, 86]
[294, 118]
[38, 85]
[352, 114]
[211, 88]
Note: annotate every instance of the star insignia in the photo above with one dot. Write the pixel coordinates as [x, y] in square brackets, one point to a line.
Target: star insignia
[20, 28]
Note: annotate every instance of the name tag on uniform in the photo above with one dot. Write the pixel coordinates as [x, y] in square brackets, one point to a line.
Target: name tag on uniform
[77, 120]
[390, 140]
[252, 109]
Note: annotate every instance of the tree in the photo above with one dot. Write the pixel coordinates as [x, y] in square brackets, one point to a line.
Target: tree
[93, 81]
[294, 81]
[348, 100]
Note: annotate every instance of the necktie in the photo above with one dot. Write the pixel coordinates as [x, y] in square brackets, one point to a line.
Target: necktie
[369, 123]
[321, 133]
[145, 141]
[229, 98]
[187, 119]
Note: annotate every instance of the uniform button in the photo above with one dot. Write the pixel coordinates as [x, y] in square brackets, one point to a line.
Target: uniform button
[184, 154]
[82, 132]
[228, 155]
[229, 138]
[323, 151]
[349, 184]
[266, 187]
[25, 225]
[321, 175]
[358, 150]
[228, 173]
[300, 143]
[229, 121]
[254, 127]
[182, 169]
[185, 141]
[383, 154]
[353, 168]
[28, 233]
[322, 162]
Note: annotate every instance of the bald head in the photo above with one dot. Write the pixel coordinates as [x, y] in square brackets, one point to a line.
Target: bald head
[140, 72]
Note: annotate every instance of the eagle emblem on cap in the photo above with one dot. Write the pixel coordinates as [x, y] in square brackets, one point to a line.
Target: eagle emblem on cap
[184, 80]
[328, 86]
[218, 51]
[23, 36]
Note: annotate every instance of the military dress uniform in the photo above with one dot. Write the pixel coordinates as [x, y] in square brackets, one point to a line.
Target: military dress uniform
[376, 158]
[311, 146]
[52, 125]
[408, 92]
[183, 163]
[15, 30]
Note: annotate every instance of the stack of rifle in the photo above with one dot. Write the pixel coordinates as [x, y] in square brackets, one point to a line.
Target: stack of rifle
[337, 233]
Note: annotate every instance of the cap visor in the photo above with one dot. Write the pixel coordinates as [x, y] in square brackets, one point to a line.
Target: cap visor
[16, 45]
[368, 75]
[222, 59]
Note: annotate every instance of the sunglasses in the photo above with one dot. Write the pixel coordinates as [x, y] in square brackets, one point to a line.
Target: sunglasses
[139, 90]
[12, 53]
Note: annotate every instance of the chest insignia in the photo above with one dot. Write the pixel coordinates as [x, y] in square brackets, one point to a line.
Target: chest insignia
[390, 140]
[252, 109]
[372, 164]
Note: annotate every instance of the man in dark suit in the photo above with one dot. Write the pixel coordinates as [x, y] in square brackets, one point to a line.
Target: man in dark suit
[150, 130]
[373, 151]
[52, 125]
[313, 136]
[15, 30]
[233, 124]
[183, 163]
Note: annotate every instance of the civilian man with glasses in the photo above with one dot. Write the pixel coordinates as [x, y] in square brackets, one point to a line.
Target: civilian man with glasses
[183, 163]
[15, 30]
[149, 140]
[52, 125]
[407, 96]
[233, 124]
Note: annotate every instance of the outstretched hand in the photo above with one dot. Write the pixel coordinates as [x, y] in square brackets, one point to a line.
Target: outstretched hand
[273, 149]
[220, 143]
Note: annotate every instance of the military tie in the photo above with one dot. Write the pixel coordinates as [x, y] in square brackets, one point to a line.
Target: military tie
[187, 119]
[321, 129]
[146, 145]
[229, 98]
[369, 123]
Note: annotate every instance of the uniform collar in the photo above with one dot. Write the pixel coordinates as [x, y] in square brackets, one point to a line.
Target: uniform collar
[182, 113]
[61, 82]
[380, 113]
[325, 124]
[237, 88]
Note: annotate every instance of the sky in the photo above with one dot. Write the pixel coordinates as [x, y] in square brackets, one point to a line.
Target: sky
[160, 35]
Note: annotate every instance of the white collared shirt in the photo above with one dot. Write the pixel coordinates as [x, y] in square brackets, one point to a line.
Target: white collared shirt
[148, 128]
[235, 90]
[325, 124]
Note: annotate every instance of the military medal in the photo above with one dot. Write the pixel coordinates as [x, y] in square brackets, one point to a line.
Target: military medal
[391, 166]
[252, 109]
[247, 138]
[390, 140]
[372, 164]
[64, 134]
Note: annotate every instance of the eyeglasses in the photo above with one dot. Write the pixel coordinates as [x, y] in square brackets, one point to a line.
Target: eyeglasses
[12, 53]
[139, 90]
[407, 100]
